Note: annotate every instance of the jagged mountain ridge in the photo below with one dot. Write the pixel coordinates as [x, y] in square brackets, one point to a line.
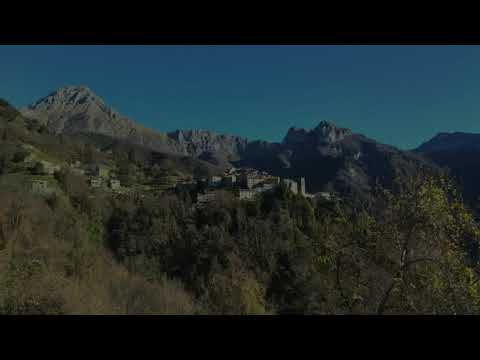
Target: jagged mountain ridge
[331, 158]
[18, 132]
[203, 142]
[76, 109]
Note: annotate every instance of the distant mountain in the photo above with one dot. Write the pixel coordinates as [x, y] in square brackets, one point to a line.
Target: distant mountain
[202, 143]
[76, 109]
[17, 131]
[456, 141]
[460, 153]
[331, 158]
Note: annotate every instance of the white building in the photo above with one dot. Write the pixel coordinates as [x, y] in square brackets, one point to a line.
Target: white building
[215, 180]
[291, 185]
[244, 194]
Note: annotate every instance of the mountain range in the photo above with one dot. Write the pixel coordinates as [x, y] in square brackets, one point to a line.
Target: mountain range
[459, 153]
[76, 109]
[329, 157]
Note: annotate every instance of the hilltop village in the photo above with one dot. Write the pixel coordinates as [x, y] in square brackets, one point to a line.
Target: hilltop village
[129, 171]
[245, 183]
[99, 177]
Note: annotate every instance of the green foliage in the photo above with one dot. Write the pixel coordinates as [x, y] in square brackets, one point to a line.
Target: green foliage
[7, 112]
[409, 252]
[3, 164]
[27, 287]
[53, 261]
[19, 156]
[73, 185]
[38, 169]
[236, 293]
[412, 249]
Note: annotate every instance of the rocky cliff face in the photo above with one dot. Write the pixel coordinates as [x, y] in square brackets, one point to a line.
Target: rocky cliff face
[324, 134]
[76, 108]
[325, 138]
[201, 142]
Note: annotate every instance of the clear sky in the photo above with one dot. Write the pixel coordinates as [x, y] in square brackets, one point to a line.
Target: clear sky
[400, 95]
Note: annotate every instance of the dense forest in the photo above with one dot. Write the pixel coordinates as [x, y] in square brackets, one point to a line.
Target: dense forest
[411, 249]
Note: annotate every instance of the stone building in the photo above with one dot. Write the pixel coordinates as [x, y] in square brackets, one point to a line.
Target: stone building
[244, 194]
[250, 180]
[265, 187]
[40, 187]
[302, 186]
[215, 180]
[48, 167]
[78, 171]
[100, 170]
[324, 195]
[291, 185]
[296, 187]
[96, 183]
[114, 184]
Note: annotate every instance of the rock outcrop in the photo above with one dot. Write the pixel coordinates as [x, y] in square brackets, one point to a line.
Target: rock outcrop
[198, 142]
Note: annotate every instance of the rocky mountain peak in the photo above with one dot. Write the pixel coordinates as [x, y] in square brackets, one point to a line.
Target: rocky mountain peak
[295, 136]
[324, 133]
[196, 142]
[71, 109]
[329, 133]
[68, 95]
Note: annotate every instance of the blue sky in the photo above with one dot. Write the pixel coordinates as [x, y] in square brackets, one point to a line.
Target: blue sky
[400, 95]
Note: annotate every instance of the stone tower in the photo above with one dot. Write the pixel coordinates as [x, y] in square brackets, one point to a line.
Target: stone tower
[302, 186]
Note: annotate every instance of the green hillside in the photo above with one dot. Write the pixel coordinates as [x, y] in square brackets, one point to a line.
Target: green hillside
[412, 249]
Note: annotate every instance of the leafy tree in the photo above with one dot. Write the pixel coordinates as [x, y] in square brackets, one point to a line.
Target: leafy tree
[38, 169]
[426, 230]
[19, 156]
[3, 164]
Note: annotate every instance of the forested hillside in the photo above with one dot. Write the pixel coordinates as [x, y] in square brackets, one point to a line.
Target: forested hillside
[411, 249]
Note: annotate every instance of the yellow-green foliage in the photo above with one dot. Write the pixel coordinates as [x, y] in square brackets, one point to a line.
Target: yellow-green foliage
[52, 261]
[422, 236]
[410, 250]
[233, 293]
